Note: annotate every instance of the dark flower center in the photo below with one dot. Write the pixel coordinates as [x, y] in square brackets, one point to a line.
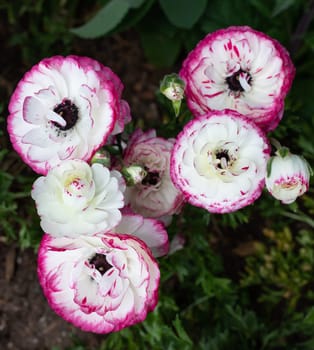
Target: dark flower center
[234, 83]
[100, 262]
[223, 154]
[69, 112]
[152, 178]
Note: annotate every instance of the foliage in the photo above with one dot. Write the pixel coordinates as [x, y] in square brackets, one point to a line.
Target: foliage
[168, 27]
[16, 216]
[282, 268]
[44, 32]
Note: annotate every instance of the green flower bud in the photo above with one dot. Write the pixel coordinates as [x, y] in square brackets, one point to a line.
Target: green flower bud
[133, 174]
[173, 88]
[102, 157]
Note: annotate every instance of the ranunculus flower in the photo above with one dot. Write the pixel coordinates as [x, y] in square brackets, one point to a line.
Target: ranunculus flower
[149, 230]
[219, 161]
[288, 177]
[101, 284]
[64, 108]
[155, 195]
[74, 199]
[241, 69]
[123, 108]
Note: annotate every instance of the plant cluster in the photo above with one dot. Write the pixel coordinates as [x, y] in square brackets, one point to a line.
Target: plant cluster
[111, 198]
[95, 260]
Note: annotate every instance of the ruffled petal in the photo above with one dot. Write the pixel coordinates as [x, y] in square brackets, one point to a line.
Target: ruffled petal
[96, 301]
[64, 103]
[224, 169]
[241, 69]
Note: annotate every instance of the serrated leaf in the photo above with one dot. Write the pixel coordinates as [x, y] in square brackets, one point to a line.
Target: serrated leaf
[180, 330]
[183, 13]
[105, 20]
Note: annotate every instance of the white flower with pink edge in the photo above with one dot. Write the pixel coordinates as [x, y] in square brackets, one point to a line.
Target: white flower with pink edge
[219, 161]
[100, 284]
[64, 108]
[241, 69]
[288, 176]
[122, 107]
[74, 199]
[155, 195]
[149, 230]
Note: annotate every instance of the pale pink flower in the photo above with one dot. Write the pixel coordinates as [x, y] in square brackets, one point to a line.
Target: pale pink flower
[155, 195]
[64, 108]
[219, 161]
[241, 69]
[100, 284]
[177, 243]
[288, 177]
[75, 198]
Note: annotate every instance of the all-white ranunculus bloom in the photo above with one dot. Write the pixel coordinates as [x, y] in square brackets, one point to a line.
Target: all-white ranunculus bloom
[100, 284]
[65, 108]
[288, 177]
[241, 69]
[75, 198]
[219, 161]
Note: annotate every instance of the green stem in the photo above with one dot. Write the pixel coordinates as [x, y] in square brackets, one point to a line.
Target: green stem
[303, 218]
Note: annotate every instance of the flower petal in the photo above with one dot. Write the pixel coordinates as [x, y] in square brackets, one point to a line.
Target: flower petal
[225, 170]
[241, 69]
[151, 231]
[69, 104]
[77, 292]
[71, 200]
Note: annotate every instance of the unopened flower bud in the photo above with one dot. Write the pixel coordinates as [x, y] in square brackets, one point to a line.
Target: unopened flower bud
[288, 176]
[133, 174]
[173, 88]
[102, 157]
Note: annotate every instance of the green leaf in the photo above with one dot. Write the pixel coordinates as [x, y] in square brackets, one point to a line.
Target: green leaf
[261, 7]
[281, 6]
[269, 164]
[135, 3]
[309, 317]
[303, 91]
[220, 14]
[161, 50]
[160, 40]
[181, 331]
[134, 16]
[183, 13]
[106, 19]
